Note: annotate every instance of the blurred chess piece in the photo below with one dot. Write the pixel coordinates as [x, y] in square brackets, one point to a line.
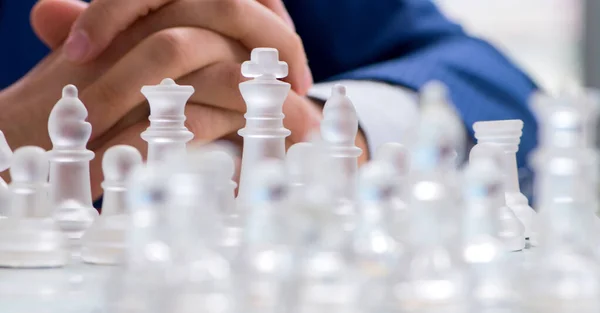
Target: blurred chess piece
[486, 256]
[29, 237]
[267, 239]
[199, 276]
[510, 229]
[375, 249]
[397, 156]
[564, 273]
[104, 241]
[432, 259]
[506, 135]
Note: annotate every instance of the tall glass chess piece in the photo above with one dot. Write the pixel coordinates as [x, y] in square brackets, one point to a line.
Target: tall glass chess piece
[431, 278]
[264, 134]
[506, 135]
[167, 134]
[70, 187]
[564, 275]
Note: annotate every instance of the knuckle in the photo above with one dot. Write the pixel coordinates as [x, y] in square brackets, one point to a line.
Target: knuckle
[228, 8]
[200, 121]
[231, 76]
[106, 94]
[96, 14]
[168, 46]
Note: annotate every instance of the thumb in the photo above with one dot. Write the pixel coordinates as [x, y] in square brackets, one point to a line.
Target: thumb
[51, 20]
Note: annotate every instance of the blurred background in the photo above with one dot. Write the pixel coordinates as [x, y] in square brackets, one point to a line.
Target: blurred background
[547, 38]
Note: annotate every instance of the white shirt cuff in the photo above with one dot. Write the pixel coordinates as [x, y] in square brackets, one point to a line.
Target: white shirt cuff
[386, 113]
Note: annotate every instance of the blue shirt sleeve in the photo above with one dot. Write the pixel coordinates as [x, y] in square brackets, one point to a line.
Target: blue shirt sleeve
[408, 43]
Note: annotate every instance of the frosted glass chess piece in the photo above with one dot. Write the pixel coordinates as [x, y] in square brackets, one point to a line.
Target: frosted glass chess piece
[29, 237]
[436, 105]
[326, 266]
[506, 135]
[562, 123]
[147, 231]
[510, 229]
[590, 102]
[217, 164]
[482, 250]
[339, 128]
[70, 187]
[167, 134]
[138, 285]
[5, 158]
[439, 138]
[199, 278]
[222, 165]
[264, 134]
[104, 241]
[446, 133]
[296, 162]
[397, 157]
[564, 275]
[265, 263]
[376, 252]
[431, 278]
[584, 107]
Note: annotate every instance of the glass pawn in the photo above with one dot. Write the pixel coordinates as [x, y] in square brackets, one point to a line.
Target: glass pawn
[485, 254]
[375, 251]
[265, 263]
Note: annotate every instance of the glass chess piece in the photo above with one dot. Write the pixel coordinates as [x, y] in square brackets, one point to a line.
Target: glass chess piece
[325, 280]
[432, 277]
[397, 156]
[29, 236]
[265, 264]
[199, 277]
[376, 253]
[483, 250]
[510, 229]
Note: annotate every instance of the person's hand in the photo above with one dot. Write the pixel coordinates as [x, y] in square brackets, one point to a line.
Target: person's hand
[110, 88]
[55, 35]
[251, 22]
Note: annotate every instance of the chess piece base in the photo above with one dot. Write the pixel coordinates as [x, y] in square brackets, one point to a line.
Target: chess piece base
[104, 242]
[32, 243]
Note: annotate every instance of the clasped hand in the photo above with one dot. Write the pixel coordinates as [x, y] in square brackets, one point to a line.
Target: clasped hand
[109, 49]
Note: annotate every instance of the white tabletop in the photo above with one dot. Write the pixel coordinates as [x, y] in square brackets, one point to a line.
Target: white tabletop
[76, 288]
